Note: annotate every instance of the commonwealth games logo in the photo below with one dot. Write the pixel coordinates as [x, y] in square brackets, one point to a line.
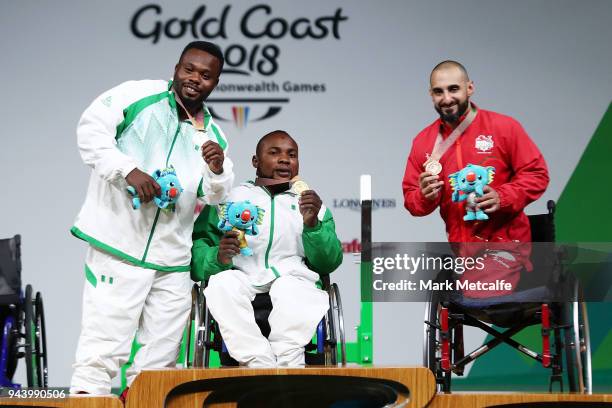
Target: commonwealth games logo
[249, 90]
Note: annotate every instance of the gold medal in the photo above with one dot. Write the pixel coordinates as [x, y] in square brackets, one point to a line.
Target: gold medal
[299, 186]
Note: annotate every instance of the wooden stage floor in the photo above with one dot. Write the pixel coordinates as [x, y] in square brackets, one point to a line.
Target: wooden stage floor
[409, 387]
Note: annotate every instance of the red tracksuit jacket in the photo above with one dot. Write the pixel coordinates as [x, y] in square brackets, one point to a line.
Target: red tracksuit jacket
[521, 176]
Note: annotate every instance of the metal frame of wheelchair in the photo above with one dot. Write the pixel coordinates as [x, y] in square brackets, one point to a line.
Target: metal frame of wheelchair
[565, 333]
[23, 323]
[203, 334]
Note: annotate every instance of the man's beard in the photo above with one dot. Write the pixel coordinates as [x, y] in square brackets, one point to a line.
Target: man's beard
[191, 104]
[453, 118]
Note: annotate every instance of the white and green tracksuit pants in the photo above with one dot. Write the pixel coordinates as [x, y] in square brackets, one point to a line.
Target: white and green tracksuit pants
[297, 307]
[118, 300]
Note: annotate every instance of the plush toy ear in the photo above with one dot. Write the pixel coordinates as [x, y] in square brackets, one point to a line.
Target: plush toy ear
[222, 213]
[221, 210]
[260, 215]
[490, 173]
[226, 209]
[453, 181]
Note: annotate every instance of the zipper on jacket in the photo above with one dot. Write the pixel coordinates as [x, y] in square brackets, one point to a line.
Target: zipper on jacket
[144, 256]
[151, 235]
[271, 231]
[178, 129]
[465, 233]
[271, 238]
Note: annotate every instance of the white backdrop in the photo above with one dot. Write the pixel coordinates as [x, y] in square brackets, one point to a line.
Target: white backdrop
[546, 63]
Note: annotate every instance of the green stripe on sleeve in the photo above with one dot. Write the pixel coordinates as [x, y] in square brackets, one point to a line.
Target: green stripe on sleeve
[220, 138]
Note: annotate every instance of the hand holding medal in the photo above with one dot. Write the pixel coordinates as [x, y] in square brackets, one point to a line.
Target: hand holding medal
[213, 155]
[430, 185]
[309, 200]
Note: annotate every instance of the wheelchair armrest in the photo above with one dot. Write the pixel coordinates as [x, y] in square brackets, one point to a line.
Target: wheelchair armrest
[325, 281]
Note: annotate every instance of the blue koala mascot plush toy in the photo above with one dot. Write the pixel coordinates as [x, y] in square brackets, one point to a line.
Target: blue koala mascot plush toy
[170, 190]
[241, 216]
[467, 184]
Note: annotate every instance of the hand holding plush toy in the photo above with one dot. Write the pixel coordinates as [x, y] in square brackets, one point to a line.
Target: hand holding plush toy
[241, 216]
[170, 190]
[467, 184]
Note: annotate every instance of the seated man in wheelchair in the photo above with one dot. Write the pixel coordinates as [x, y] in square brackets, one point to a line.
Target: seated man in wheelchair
[278, 239]
[466, 135]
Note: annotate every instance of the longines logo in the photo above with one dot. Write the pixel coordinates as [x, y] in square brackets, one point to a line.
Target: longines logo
[355, 204]
[257, 95]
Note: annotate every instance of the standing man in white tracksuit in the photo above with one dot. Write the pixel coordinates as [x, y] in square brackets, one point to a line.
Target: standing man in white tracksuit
[138, 262]
[296, 242]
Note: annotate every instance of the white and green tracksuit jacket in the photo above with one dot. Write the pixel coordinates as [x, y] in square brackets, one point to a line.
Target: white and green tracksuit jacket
[136, 125]
[284, 244]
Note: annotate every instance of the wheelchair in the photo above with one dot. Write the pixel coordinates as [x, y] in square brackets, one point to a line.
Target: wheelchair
[565, 326]
[23, 321]
[203, 335]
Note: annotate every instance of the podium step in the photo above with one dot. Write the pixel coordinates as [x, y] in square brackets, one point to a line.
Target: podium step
[85, 401]
[515, 400]
[272, 388]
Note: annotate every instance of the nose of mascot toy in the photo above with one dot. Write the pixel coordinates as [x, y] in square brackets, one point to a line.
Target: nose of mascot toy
[246, 215]
[471, 177]
[173, 192]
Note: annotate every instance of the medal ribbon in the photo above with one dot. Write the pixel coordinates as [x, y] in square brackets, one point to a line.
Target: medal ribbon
[442, 146]
[198, 120]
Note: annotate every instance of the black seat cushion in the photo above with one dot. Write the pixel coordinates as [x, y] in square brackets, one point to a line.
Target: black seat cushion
[10, 270]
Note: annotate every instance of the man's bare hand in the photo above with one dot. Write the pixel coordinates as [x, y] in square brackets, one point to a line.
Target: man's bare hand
[146, 187]
[430, 185]
[213, 155]
[229, 246]
[310, 204]
[489, 202]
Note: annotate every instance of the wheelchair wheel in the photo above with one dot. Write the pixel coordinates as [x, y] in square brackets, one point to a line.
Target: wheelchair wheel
[41, 342]
[431, 343]
[330, 348]
[200, 329]
[195, 326]
[338, 315]
[207, 333]
[30, 340]
[578, 344]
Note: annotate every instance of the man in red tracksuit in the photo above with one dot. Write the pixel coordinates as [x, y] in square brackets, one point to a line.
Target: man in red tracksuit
[491, 139]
